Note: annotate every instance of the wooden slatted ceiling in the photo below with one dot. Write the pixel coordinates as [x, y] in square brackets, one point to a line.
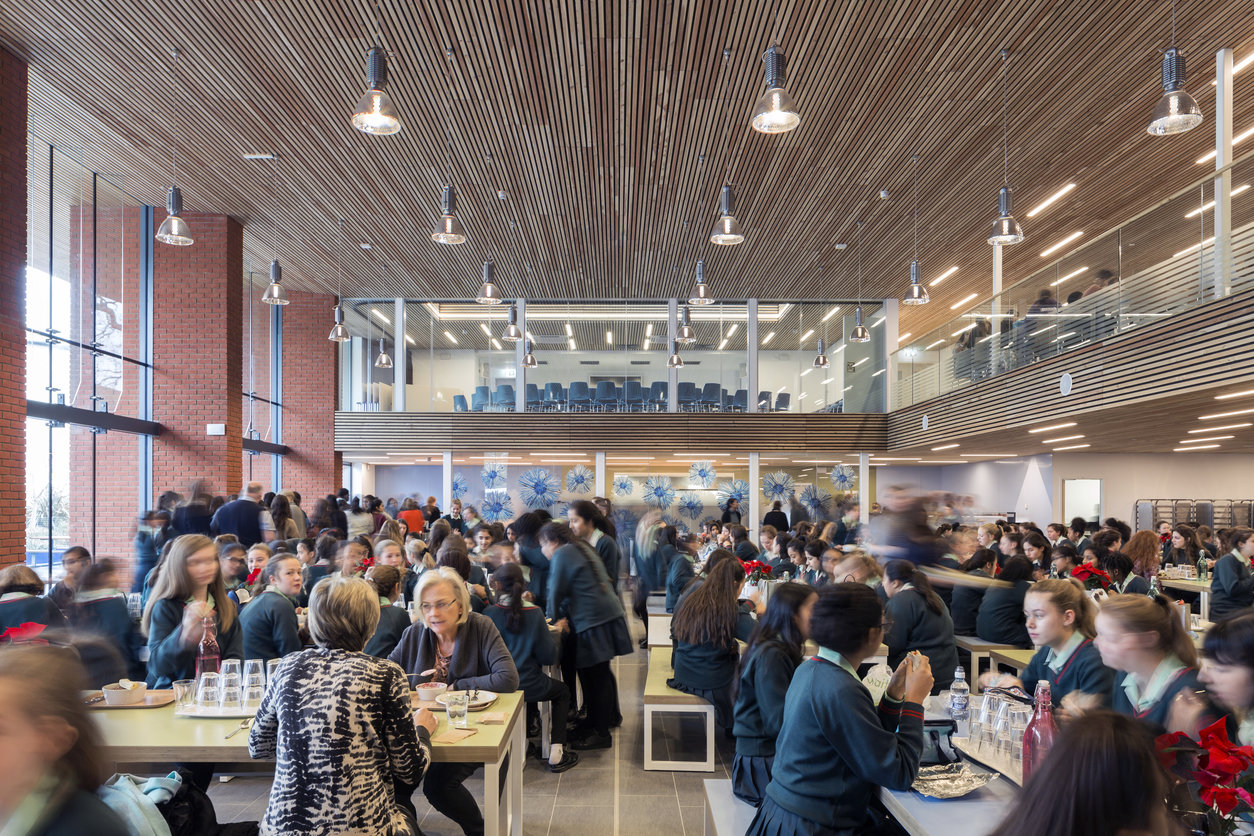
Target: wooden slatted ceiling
[361, 433]
[592, 118]
[1120, 400]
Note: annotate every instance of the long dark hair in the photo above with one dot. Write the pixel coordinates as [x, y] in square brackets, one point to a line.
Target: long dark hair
[440, 529]
[1101, 777]
[904, 571]
[708, 615]
[844, 617]
[527, 526]
[589, 511]
[280, 512]
[508, 580]
[780, 621]
[1231, 642]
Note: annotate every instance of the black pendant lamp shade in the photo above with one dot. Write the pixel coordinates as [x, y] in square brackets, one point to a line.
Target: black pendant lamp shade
[916, 294]
[859, 334]
[512, 332]
[675, 361]
[685, 335]
[727, 228]
[1176, 111]
[448, 229]
[529, 359]
[820, 360]
[339, 333]
[174, 230]
[701, 292]
[775, 113]
[383, 361]
[275, 294]
[375, 113]
[1006, 229]
[489, 293]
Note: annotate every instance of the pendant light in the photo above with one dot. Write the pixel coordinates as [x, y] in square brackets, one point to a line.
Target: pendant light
[727, 229]
[686, 335]
[383, 361]
[339, 333]
[1006, 229]
[448, 229]
[529, 359]
[675, 361]
[859, 334]
[916, 294]
[174, 230]
[1176, 111]
[275, 294]
[700, 291]
[375, 113]
[820, 360]
[489, 293]
[512, 332]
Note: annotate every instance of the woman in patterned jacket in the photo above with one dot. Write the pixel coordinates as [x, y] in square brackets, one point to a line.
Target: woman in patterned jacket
[338, 724]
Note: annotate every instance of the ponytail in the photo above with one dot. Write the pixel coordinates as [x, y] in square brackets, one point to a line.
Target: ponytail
[905, 572]
[508, 580]
[1141, 614]
[1069, 594]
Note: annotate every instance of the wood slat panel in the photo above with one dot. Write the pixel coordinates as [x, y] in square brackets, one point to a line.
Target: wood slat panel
[592, 118]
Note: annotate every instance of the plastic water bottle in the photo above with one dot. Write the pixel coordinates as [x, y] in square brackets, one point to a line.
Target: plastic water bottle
[960, 701]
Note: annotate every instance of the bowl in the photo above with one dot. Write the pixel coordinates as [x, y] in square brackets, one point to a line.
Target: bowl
[428, 691]
[115, 694]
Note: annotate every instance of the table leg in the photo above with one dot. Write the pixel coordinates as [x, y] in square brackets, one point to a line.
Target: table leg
[1205, 603]
[518, 754]
[496, 797]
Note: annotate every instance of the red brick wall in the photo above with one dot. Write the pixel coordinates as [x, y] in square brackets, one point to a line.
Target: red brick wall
[12, 308]
[197, 333]
[309, 385]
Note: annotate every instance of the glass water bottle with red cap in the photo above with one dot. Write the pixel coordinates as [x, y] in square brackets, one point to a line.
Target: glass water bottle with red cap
[208, 656]
[1039, 736]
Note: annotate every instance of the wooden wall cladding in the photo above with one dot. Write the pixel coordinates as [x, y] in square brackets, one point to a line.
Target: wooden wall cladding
[1143, 379]
[373, 432]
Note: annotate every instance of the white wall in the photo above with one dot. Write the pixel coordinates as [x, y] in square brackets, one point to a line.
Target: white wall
[401, 481]
[1024, 486]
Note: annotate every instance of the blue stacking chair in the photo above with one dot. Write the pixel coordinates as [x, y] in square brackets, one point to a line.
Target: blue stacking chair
[688, 396]
[781, 401]
[580, 396]
[712, 397]
[633, 396]
[606, 396]
[459, 404]
[657, 395]
[503, 398]
[480, 398]
[764, 400]
[533, 398]
[740, 401]
[554, 397]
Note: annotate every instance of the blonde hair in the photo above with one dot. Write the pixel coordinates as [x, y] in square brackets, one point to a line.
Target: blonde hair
[343, 613]
[419, 554]
[992, 529]
[1142, 614]
[390, 530]
[174, 582]
[445, 575]
[20, 578]
[261, 547]
[1069, 594]
[853, 561]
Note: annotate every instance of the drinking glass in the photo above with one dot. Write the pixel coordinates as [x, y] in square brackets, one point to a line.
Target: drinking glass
[458, 705]
[272, 665]
[999, 734]
[232, 698]
[1019, 717]
[252, 697]
[209, 690]
[230, 666]
[254, 673]
[184, 693]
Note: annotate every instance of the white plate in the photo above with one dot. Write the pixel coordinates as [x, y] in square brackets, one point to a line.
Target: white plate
[483, 700]
[202, 711]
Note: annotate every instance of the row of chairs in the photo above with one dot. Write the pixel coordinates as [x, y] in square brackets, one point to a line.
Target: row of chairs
[609, 397]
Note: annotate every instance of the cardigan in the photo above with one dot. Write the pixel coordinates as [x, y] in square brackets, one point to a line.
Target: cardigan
[680, 573]
[1083, 671]
[580, 590]
[776, 519]
[393, 622]
[20, 608]
[532, 556]
[169, 659]
[746, 551]
[109, 619]
[765, 673]
[340, 729]
[836, 747]
[1001, 616]
[1157, 714]
[915, 627]
[966, 605]
[270, 628]
[73, 812]
[1231, 587]
[480, 657]
[532, 647]
[611, 556]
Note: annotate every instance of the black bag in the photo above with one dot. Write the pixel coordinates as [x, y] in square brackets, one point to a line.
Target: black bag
[938, 747]
[190, 813]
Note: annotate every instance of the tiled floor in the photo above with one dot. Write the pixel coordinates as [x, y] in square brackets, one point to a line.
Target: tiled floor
[608, 792]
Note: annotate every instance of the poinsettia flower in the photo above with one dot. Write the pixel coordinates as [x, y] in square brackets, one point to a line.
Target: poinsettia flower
[24, 632]
[1169, 748]
[1225, 799]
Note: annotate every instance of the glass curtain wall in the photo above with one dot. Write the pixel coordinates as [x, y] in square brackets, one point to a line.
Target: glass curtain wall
[260, 378]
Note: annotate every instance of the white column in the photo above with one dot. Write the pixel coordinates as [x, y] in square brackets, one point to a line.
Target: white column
[400, 356]
[672, 375]
[599, 479]
[995, 322]
[751, 342]
[446, 498]
[1223, 264]
[864, 486]
[755, 502]
[520, 348]
[891, 327]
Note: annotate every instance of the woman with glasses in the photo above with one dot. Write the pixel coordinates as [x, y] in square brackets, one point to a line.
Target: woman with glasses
[466, 651]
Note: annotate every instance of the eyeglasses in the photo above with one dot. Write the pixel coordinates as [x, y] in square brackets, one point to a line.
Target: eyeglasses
[438, 605]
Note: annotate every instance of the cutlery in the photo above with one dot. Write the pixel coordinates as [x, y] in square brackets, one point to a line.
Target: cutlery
[244, 724]
[94, 700]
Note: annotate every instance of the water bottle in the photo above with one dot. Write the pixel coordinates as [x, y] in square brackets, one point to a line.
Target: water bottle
[1039, 735]
[1153, 590]
[208, 655]
[960, 701]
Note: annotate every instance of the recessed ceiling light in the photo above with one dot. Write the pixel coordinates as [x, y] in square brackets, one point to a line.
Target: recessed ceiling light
[807, 335]
[485, 329]
[410, 340]
[933, 345]
[1244, 394]
[1188, 250]
[880, 372]
[1048, 251]
[1199, 447]
[1239, 138]
[934, 282]
[945, 447]
[364, 245]
[1070, 275]
[571, 342]
[569, 332]
[723, 344]
[904, 337]
[1225, 414]
[732, 329]
[768, 338]
[1062, 438]
[826, 381]
[1047, 202]
[860, 362]
[964, 329]
[988, 455]
[451, 337]
[1053, 427]
[1072, 447]
[1224, 427]
[964, 300]
[379, 315]
[609, 337]
[830, 314]
[1210, 204]
[1201, 440]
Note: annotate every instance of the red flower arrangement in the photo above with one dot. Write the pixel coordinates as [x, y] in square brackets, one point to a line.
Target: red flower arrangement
[25, 633]
[757, 570]
[1217, 766]
[1091, 576]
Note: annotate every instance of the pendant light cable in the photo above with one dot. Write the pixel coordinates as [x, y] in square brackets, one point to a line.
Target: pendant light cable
[727, 116]
[448, 122]
[1005, 120]
[174, 123]
[916, 206]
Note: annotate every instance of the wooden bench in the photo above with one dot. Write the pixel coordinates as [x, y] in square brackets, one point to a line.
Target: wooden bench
[1016, 659]
[659, 631]
[656, 605]
[660, 698]
[725, 814]
[979, 649]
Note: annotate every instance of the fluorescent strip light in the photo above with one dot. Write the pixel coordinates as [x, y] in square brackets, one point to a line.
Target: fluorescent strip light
[496, 345]
[807, 335]
[1073, 447]
[571, 341]
[988, 455]
[1187, 449]
[410, 340]
[380, 316]
[609, 337]
[645, 345]
[1210, 240]
[1201, 440]
[964, 329]
[830, 313]
[965, 299]
[451, 337]
[933, 345]
[934, 282]
[732, 329]
[1225, 414]
[768, 338]
[1244, 394]
[1053, 427]
[485, 329]
[904, 337]
[896, 458]
[799, 397]
[648, 330]
[878, 322]
[1070, 275]
[723, 344]
[1224, 427]
[1047, 202]
[807, 371]
[569, 332]
[1236, 68]
[945, 447]
[1064, 242]
[860, 362]
[1043, 330]
[880, 372]
[1061, 439]
[1210, 155]
[1062, 337]
[826, 381]
[1210, 204]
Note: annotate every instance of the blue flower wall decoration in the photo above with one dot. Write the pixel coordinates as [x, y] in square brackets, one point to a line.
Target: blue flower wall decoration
[658, 492]
[496, 507]
[493, 474]
[729, 489]
[702, 473]
[539, 488]
[459, 487]
[689, 505]
[622, 485]
[777, 485]
[579, 479]
[844, 477]
[815, 499]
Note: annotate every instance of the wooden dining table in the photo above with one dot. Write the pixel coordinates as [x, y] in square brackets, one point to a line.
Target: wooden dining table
[158, 735]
